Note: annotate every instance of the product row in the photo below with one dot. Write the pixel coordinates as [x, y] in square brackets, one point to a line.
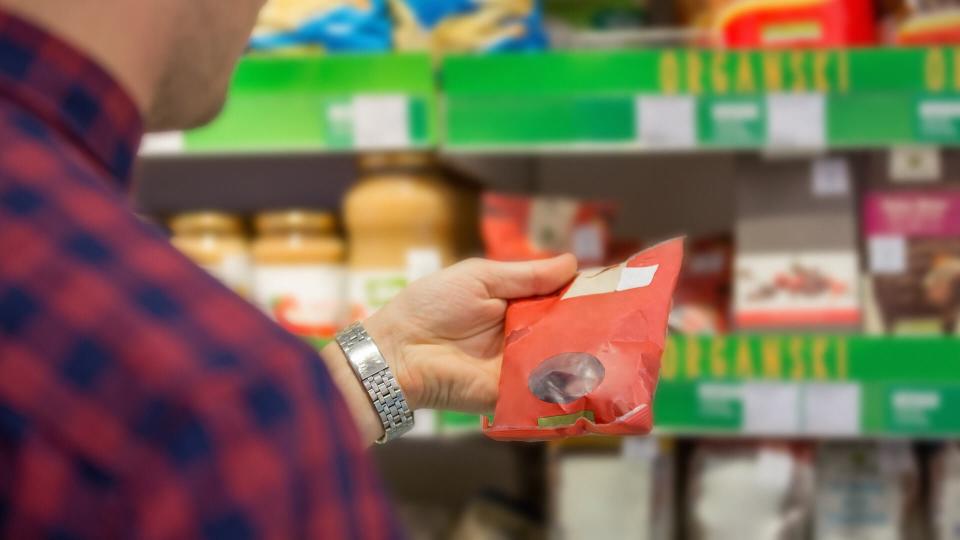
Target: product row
[522, 25]
[808, 251]
[404, 221]
[746, 491]
[715, 490]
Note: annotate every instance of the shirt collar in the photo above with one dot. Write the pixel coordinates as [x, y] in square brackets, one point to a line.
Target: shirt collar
[70, 92]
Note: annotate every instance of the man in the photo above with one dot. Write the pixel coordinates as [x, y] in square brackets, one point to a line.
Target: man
[139, 398]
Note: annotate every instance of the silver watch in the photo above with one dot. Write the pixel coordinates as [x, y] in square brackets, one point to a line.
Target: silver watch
[371, 368]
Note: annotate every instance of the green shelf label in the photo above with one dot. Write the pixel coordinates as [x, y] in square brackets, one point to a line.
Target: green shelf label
[325, 102]
[810, 385]
[868, 97]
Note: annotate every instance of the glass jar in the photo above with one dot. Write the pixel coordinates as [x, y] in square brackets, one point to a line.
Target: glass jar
[298, 274]
[216, 242]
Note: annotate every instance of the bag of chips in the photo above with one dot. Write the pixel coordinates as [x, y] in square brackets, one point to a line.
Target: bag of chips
[329, 25]
[467, 26]
[586, 359]
[521, 228]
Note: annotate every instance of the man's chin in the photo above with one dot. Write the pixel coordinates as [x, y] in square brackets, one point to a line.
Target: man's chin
[182, 118]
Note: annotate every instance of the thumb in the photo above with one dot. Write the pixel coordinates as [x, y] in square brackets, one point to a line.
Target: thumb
[529, 278]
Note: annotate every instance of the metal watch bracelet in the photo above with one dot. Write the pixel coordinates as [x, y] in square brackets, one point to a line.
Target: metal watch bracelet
[378, 380]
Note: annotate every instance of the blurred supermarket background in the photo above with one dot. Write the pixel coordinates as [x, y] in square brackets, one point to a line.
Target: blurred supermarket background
[811, 385]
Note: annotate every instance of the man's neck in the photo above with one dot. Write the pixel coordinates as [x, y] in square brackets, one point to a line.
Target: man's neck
[117, 35]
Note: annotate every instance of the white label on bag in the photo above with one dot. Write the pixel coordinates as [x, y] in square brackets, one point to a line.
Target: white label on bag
[667, 121]
[887, 254]
[306, 299]
[635, 278]
[381, 122]
[796, 120]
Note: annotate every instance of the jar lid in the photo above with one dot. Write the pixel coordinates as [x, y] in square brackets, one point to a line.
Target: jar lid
[312, 220]
[206, 221]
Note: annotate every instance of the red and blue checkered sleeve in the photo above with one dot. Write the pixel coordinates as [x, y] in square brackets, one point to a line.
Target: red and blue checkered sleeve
[138, 397]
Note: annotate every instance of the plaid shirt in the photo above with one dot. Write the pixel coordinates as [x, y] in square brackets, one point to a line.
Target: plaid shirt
[138, 397]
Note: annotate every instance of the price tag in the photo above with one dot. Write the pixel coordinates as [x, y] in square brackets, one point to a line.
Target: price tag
[796, 121]
[887, 254]
[771, 408]
[938, 119]
[640, 448]
[588, 242]
[424, 423]
[915, 165]
[667, 121]
[381, 122]
[830, 177]
[165, 143]
[733, 122]
[831, 409]
[422, 262]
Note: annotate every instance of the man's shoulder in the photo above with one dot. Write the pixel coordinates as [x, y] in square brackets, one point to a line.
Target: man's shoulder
[31, 147]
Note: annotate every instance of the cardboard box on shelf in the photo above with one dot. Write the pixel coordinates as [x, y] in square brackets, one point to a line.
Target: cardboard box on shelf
[912, 285]
[598, 492]
[796, 263]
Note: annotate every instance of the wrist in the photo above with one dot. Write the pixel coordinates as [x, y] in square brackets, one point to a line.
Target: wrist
[393, 342]
[351, 388]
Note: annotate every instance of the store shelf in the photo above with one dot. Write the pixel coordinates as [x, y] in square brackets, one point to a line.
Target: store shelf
[683, 100]
[318, 103]
[663, 100]
[836, 386]
[801, 386]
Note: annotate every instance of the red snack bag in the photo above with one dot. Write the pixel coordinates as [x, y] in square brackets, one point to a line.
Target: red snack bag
[586, 359]
[518, 228]
[795, 23]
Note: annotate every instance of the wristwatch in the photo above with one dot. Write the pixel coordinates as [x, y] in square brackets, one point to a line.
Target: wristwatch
[371, 368]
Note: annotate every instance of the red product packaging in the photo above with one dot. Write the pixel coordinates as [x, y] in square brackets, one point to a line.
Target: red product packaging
[932, 27]
[795, 23]
[517, 228]
[586, 359]
[702, 303]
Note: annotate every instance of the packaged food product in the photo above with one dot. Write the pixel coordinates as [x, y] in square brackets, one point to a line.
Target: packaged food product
[462, 26]
[216, 242]
[788, 23]
[567, 374]
[945, 490]
[866, 491]
[400, 221]
[575, 23]
[796, 264]
[491, 515]
[913, 261]
[750, 491]
[517, 227]
[609, 494]
[926, 22]
[298, 272]
[332, 25]
[702, 303]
